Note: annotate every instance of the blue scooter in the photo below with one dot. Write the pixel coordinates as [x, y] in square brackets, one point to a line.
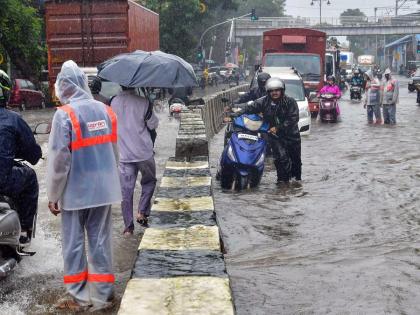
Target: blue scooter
[242, 161]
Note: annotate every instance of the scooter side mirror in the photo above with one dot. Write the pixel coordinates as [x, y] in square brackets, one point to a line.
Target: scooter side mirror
[42, 129]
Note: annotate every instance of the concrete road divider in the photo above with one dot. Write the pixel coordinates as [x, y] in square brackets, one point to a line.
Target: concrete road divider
[179, 269]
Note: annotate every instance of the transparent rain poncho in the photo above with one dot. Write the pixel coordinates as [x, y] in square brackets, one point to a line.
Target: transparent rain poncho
[87, 177]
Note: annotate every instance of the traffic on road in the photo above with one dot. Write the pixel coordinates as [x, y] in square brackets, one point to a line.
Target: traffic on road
[312, 201]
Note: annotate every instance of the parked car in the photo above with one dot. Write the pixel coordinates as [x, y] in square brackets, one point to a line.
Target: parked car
[415, 79]
[25, 95]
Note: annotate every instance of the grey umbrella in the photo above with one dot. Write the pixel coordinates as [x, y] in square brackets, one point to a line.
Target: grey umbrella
[148, 69]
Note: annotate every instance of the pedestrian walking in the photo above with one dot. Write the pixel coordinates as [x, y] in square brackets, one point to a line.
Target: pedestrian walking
[135, 154]
[82, 183]
[373, 98]
[390, 98]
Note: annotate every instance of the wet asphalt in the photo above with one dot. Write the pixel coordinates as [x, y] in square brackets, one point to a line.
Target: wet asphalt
[37, 284]
[346, 240]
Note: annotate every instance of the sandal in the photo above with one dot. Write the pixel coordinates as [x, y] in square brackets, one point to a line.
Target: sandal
[143, 221]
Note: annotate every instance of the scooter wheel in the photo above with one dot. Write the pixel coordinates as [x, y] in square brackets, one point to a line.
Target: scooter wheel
[241, 182]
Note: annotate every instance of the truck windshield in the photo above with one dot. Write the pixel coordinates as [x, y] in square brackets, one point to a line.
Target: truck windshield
[307, 65]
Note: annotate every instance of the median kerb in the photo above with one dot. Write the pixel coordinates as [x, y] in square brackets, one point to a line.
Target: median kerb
[187, 295]
[186, 165]
[176, 182]
[198, 237]
[183, 204]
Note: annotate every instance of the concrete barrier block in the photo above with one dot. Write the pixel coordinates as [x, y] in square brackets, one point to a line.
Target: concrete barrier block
[177, 296]
[161, 263]
[198, 237]
[187, 181]
[179, 165]
[190, 146]
[171, 219]
[183, 204]
[185, 192]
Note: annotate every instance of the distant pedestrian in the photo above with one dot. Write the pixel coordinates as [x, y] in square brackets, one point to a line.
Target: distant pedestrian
[373, 97]
[390, 98]
[136, 154]
[82, 183]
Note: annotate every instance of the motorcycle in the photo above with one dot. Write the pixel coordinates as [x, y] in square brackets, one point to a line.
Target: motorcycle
[356, 92]
[11, 251]
[177, 105]
[242, 160]
[328, 104]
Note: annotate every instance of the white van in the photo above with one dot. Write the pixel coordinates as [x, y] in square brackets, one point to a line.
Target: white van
[294, 89]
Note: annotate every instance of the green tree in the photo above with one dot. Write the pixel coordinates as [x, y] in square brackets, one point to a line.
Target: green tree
[181, 22]
[20, 36]
[262, 7]
[352, 16]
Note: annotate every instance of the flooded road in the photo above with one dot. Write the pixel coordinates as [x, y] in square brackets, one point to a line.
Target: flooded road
[347, 241]
[37, 282]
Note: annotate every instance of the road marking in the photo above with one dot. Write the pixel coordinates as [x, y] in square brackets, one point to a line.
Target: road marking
[197, 237]
[183, 204]
[177, 296]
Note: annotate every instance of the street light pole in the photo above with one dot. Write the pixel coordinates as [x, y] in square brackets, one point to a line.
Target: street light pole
[320, 8]
[218, 24]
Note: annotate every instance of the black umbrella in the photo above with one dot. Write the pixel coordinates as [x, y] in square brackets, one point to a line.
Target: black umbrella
[148, 69]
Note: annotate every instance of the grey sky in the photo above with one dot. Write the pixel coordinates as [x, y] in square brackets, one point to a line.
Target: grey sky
[304, 9]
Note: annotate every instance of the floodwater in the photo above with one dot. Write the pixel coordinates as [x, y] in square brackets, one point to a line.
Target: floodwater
[345, 241]
[36, 283]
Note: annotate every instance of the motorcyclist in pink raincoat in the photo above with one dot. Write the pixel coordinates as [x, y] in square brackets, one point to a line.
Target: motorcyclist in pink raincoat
[331, 88]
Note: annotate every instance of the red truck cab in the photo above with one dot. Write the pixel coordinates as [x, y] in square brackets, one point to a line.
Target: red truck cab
[303, 49]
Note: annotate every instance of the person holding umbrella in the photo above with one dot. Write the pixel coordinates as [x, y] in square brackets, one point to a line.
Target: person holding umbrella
[135, 148]
[140, 69]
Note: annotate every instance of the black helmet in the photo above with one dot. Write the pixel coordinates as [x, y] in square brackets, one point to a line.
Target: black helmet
[95, 85]
[275, 84]
[5, 88]
[331, 78]
[262, 79]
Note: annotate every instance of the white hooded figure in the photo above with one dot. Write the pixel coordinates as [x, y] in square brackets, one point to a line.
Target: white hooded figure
[390, 98]
[82, 183]
[373, 97]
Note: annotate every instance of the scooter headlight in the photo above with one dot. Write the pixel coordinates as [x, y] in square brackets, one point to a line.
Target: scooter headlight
[230, 154]
[260, 160]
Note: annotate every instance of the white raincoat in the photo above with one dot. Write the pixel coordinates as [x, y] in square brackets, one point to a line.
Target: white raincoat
[81, 173]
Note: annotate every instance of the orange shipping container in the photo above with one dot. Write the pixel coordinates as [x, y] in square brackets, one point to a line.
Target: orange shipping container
[89, 32]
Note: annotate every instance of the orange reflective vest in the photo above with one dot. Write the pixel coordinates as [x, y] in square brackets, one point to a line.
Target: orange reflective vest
[81, 142]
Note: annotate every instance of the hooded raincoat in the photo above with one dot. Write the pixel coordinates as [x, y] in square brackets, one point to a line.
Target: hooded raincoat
[83, 178]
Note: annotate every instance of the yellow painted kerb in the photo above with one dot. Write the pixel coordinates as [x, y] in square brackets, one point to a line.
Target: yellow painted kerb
[183, 204]
[197, 237]
[177, 296]
[180, 182]
[186, 165]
